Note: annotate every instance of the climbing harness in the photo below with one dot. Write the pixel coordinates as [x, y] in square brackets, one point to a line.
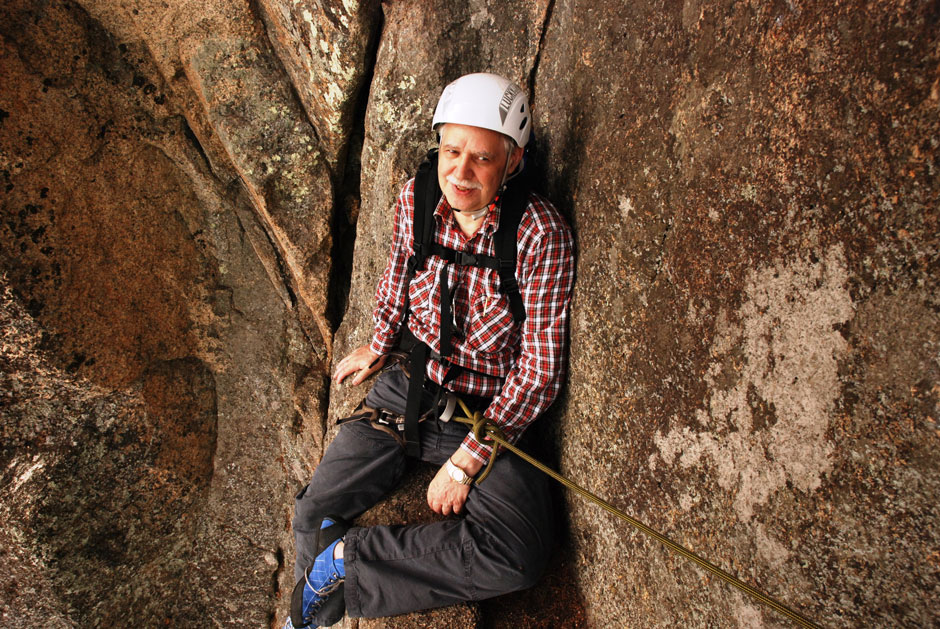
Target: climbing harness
[486, 431]
[427, 194]
[381, 415]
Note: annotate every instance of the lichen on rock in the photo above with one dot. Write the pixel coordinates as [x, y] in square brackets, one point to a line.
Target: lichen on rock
[773, 382]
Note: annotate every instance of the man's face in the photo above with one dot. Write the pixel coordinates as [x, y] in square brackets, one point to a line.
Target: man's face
[471, 165]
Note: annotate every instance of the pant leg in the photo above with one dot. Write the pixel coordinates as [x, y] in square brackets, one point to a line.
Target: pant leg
[361, 465]
[501, 544]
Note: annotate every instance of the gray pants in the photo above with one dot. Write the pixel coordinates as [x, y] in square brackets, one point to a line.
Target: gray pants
[501, 543]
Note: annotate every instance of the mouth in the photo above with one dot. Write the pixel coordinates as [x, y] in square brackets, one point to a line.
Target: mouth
[463, 187]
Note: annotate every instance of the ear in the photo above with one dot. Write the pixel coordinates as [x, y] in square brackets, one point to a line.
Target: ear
[514, 158]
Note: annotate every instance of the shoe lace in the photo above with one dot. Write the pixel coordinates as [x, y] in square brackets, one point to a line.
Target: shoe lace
[332, 584]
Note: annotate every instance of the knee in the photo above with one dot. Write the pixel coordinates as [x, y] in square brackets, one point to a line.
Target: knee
[522, 556]
[520, 577]
[526, 566]
[306, 510]
[513, 572]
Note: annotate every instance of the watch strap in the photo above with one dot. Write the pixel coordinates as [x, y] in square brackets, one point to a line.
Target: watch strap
[457, 475]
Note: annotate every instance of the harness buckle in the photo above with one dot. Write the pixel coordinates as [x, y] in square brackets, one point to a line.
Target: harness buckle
[466, 259]
[508, 285]
[388, 418]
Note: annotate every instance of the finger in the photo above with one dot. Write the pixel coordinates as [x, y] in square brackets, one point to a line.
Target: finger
[340, 372]
[343, 371]
[362, 374]
[340, 375]
[368, 369]
[349, 364]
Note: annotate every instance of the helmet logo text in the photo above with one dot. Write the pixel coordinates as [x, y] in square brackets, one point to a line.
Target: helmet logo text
[505, 103]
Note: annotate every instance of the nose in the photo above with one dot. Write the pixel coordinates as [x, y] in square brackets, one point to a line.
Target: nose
[462, 168]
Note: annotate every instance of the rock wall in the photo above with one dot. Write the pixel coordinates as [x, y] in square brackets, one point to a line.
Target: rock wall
[167, 255]
[196, 207]
[755, 195]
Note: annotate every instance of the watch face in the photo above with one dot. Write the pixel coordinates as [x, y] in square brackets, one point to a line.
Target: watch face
[456, 473]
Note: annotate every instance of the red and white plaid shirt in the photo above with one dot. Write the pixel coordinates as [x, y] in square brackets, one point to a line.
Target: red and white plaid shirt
[520, 366]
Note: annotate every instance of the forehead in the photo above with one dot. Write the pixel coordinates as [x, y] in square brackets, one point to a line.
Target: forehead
[472, 139]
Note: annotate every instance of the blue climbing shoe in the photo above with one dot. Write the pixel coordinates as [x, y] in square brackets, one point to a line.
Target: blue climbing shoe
[319, 595]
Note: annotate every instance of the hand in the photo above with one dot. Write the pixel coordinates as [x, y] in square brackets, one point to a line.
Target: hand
[446, 496]
[363, 362]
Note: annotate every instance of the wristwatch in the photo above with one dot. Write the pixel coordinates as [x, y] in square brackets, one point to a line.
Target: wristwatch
[457, 475]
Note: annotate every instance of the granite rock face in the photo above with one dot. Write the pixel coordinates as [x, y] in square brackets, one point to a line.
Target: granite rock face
[754, 190]
[167, 231]
[196, 207]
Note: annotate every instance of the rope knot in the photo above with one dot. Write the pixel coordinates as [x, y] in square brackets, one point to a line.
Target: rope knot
[485, 429]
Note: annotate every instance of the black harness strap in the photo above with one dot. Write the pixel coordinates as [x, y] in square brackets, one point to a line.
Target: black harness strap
[505, 241]
[419, 359]
[426, 195]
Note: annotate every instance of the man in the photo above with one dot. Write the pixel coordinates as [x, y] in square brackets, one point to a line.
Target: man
[493, 337]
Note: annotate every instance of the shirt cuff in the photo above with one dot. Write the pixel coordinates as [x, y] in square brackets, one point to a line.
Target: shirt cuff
[477, 450]
[380, 346]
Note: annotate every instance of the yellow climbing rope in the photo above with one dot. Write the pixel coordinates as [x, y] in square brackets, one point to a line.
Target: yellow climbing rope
[485, 430]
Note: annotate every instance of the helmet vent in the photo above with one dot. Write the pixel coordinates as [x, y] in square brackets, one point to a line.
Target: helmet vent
[524, 121]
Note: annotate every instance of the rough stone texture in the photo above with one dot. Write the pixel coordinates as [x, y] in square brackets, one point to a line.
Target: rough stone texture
[325, 48]
[167, 231]
[756, 340]
[755, 196]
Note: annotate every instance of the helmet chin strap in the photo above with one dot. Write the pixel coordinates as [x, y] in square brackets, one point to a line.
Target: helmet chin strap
[476, 214]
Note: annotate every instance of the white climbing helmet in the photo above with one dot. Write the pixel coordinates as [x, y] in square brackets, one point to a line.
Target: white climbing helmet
[488, 101]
